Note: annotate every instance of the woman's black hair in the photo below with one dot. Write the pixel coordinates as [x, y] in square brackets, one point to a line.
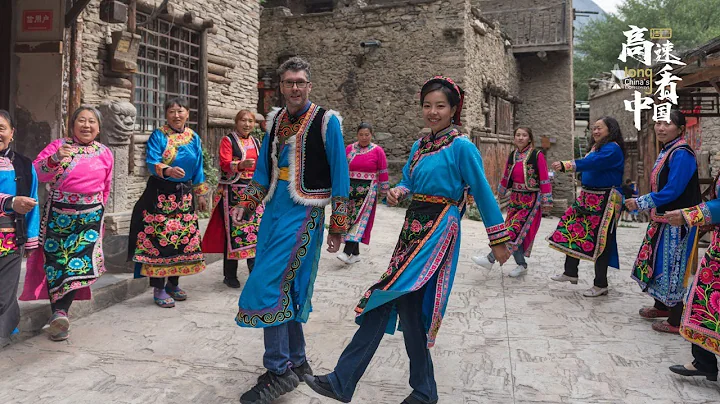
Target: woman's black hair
[6, 115]
[179, 101]
[364, 125]
[453, 98]
[678, 118]
[614, 134]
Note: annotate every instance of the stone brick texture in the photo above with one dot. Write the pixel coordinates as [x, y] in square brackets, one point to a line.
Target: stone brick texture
[236, 41]
[421, 39]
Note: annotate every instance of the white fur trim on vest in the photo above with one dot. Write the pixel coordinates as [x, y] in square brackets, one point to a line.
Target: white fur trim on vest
[326, 120]
[273, 117]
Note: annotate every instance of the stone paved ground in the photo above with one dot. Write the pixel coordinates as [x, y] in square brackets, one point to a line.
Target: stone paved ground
[503, 340]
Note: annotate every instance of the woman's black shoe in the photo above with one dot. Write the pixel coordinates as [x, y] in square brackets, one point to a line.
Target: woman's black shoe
[682, 370]
[232, 282]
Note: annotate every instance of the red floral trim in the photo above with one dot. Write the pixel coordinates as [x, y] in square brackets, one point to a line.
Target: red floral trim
[339, 223]
[568, 165]
[697, 215]
[202, 189]
[404, 192]
[498, 234]
[546, 199]
[162, 271]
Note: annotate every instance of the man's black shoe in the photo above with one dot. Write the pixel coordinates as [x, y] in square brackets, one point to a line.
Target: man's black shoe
[269, 387]
[321, 385]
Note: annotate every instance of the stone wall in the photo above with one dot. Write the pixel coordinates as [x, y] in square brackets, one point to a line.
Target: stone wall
[236, 41]
[492, 76]
[547, 108]
[710, 136]
[377, 85]
[381, 85]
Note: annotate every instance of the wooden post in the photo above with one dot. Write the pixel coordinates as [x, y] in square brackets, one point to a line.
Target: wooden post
[75, 88]
[203, 88]
[132, 27]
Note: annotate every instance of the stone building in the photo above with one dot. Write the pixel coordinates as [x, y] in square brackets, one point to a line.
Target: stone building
[369, 59]
[119, 54]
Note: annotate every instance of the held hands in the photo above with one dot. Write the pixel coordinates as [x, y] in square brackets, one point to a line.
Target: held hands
[557, 166]
[202, 203]
[23, 204]
[675, 218]
[237, 215]
[334, 240]
[393, 196]
[175, 172]
[501, 253]
[546, 210]
[63, 152]
[631, 204]
[247, 163]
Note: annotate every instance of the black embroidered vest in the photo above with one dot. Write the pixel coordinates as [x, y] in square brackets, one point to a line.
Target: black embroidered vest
[691, 195]
[311, 180]
[23, 183]
[530, 170]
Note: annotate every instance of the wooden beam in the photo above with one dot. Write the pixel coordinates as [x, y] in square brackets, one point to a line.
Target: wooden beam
[216, 69]
[203, 88]
[178, 18]
[219, 60]
[699, 77]
[218, 79]
[75, 11]
[713, 60]
[221, 112]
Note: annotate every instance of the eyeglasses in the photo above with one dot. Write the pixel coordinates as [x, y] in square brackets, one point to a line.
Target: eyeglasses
[299, 84]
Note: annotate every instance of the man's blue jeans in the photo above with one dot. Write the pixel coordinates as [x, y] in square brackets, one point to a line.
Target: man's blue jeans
[284, 345]
[357, 355]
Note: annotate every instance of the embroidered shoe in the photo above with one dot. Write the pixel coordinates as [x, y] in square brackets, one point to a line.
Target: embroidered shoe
[595, 292]
[519, 270]
[354, 259]
[652, 312]
[564, 278]
[58, 325]
[483, 261]
[269, 387]
[321, 385]
[163, 299]
[302, 370]
[664, 326]
[343, 257]
[178, 294]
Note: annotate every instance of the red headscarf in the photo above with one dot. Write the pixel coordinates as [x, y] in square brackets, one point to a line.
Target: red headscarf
[449, 83]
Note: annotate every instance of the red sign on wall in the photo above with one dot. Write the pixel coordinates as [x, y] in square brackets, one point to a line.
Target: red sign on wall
[37, 20]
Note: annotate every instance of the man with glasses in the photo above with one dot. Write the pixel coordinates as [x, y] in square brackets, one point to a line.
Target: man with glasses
[300, 169]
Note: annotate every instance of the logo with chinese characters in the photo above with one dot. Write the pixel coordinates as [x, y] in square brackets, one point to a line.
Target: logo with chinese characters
[642, 50]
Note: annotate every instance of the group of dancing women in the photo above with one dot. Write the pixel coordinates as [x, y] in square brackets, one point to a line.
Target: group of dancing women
[269, 210]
